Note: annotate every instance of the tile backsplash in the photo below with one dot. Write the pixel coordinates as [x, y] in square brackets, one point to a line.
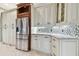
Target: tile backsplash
[70, 29]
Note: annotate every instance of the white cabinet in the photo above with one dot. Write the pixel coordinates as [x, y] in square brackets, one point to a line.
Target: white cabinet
[33, 22]
[4, 28]
[71, 13]
[35, 42]
[69, 48]
[51, 14]
[45, 44]
[44, 15]
[78, 12]
[40, 16]
[64, 47]
[41, 43]
[9, 27]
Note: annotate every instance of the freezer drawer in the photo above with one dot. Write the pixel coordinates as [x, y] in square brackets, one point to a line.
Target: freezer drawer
[22, 44]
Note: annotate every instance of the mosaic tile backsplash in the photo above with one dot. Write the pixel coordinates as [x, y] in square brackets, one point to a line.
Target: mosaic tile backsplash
[71, 29]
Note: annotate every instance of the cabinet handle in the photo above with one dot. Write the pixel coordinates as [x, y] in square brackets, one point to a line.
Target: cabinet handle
[48, 23]
[36, 36]
[54, 54]
[38, 23]
[46, 37]
[54, 40]
[54, 46]
[12, 26]
[50, 41]
[35, 39]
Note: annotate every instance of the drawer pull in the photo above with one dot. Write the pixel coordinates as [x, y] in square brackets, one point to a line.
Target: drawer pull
[54, 40]
[54, 54]
[50, 41]
[36, 36]
[35, 39]
[54, 46]
[46, 37]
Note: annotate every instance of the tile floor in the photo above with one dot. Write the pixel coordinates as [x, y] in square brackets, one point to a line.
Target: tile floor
[6, 50]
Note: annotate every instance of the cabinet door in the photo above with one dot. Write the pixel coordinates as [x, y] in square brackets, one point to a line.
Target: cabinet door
[45, 44]
[9, 29]
[34, 16]
[33, 21]
[71, 11]
[12, 27]
[53, 13]
[34, 42]
[78, 12]
[40, 16]
[4, 28]
[69, 47]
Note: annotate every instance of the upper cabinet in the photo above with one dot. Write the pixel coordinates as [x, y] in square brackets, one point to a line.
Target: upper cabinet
[51, 14]
[23, 10]
[44, 14]
[55, 13]
[71, 13]
[67, 13]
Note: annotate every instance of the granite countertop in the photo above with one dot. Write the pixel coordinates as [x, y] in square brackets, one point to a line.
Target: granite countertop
[57, 35]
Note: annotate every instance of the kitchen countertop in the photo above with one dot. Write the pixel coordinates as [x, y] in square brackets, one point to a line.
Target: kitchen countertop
[60, 36]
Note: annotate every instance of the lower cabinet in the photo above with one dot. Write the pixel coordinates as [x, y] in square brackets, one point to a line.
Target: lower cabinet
[64, 47]
[41, 43]
[45, 44]
[35, 42]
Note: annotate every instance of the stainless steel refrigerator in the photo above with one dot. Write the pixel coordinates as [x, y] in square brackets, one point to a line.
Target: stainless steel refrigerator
[22, 33]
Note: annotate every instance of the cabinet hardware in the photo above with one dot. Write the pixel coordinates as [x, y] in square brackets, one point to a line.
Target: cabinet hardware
[48, 23]
[51, 30]
[54, 46]
[46, 37]
[50, 41]
[35, 39]
[54, 40]
[38, 23]
[36, 36]
[54, 54]
[12, 26]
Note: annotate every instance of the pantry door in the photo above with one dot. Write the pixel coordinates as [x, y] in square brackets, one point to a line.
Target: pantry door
[4, 28]
[0, 28]
[9, 28]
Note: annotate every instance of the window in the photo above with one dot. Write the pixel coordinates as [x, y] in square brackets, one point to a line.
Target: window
[60, 12]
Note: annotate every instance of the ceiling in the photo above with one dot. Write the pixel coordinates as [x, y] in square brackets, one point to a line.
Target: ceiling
[7, 6]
